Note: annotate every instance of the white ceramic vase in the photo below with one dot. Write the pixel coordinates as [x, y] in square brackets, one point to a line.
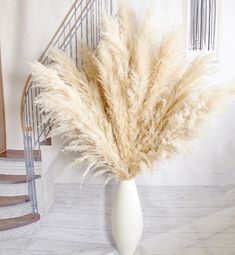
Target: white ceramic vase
[127, 218]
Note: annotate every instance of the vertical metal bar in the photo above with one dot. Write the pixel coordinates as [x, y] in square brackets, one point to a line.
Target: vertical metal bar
[96, 21]
[70, 42]
[26, 114]
[99, 18]
[89, 13]
[215, 10]
[29, 110]
[42, 124]
[192, 20]
[209, 27]
[29, 162]
[200, 24]
[32, 112]
[87, 37]
[111, 7]
[81, 37]
[63, 31]
[37, 113]
[76, 40]
[211, 24]
[92, 26]
[197, 15]
[196, 23]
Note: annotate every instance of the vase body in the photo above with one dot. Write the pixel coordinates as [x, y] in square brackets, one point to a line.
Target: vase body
[127, 218]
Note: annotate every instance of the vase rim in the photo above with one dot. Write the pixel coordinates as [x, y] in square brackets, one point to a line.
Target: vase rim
[130, 180]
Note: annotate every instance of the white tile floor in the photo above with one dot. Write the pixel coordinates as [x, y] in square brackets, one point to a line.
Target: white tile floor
[177, 220]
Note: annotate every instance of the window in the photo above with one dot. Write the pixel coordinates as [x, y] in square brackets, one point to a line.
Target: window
[203, 25]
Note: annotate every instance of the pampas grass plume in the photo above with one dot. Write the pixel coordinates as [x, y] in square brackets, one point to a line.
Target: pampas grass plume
[132, 102]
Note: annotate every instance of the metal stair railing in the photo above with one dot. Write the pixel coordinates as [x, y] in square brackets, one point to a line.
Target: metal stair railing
[81, 24]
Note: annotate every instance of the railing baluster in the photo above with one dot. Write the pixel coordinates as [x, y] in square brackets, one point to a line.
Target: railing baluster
[70, 42]
[29, 111]
[76, 42]
[87, 39]
[82, 23]
[81, 37]
[93, 27]
[29, 161]
[64, 38]
[37, 114]
[111, 7]
[99, 21]
[96, 23]
[93, 24]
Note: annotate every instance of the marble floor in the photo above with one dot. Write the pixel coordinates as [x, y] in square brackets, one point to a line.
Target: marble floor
[178, 220]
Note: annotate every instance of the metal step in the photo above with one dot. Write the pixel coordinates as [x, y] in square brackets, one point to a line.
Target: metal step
[18, 155]
[6, 224]
[46, 142]
[13, 200]
[14, 179]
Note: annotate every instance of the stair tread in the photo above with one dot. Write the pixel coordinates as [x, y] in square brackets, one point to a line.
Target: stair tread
[47, 142]
[13, 200]
[19, 154]
[23, 220]
[14, 179]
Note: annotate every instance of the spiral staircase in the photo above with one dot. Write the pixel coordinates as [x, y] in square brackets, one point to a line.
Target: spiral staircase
[21, 172]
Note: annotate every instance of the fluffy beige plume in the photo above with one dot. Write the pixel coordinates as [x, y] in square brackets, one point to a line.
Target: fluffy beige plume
[134, 100]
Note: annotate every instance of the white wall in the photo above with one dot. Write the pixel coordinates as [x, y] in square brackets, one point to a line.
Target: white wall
[27, 25]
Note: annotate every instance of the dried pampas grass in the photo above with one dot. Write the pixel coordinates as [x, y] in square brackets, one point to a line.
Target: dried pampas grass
[132, 102]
